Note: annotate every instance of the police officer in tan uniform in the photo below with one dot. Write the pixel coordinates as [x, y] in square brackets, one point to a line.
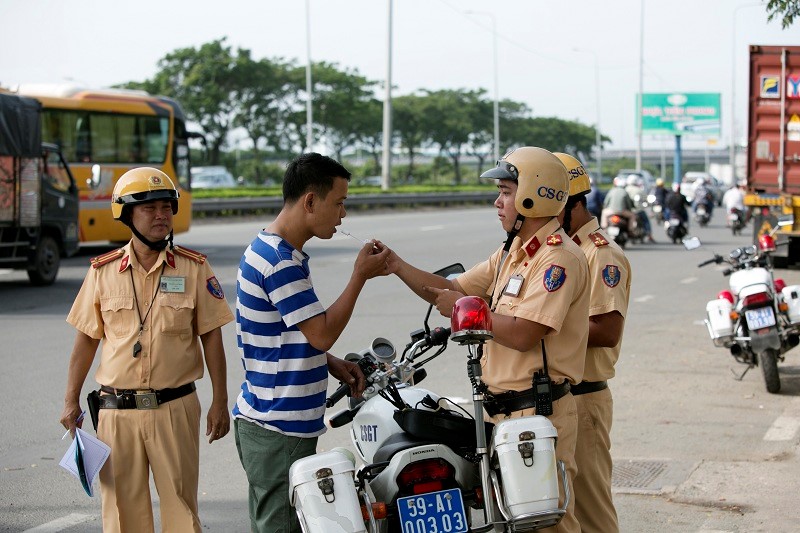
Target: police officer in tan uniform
[610, 281]
[537, 285]
[153, 305]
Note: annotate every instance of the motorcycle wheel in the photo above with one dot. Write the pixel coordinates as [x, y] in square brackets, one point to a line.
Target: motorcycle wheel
[768, 361]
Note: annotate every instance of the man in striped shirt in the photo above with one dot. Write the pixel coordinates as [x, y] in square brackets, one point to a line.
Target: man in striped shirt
[284, 333]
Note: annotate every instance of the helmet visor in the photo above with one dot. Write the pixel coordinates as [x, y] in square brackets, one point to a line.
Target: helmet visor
[147, 196]
[503, 171]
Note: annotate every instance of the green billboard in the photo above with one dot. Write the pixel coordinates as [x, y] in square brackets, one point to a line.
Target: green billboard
[681, 113]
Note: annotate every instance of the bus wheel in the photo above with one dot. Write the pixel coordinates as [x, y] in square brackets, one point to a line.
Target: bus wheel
[46, 262]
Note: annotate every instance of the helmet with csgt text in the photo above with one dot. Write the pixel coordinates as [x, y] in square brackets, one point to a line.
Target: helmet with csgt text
[141, 185]
[578, 177]
[542, 180]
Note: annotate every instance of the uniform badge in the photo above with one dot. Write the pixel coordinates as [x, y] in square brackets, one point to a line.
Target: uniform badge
[611, 275]
[124, 264]
[554, 278]
[553, 240]
[598, 239]
[532, 247]
[215, 288]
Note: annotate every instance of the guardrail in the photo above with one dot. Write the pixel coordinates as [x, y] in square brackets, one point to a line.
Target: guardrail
[219, 206]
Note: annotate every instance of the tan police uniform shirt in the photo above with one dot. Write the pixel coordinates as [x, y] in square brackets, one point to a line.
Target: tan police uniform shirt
[610, 280]
[554, 292]
[190, 302]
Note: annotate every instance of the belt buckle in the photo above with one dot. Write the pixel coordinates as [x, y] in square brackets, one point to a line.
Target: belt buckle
[146, 400]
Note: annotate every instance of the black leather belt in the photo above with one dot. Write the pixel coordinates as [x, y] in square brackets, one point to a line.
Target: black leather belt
[585, 387]
[508, 402]
[141, 399]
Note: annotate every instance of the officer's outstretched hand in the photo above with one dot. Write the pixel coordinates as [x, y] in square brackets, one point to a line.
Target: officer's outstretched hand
[218, 421]
[445, 299]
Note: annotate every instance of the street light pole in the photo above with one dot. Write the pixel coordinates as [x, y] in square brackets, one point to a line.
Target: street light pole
[309, 114]
[641, 90]
[496, 82]
[732, 147]
[386, 170]
[597, 135]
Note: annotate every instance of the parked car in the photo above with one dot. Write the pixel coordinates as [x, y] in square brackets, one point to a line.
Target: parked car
[212, 178]
[689, 182]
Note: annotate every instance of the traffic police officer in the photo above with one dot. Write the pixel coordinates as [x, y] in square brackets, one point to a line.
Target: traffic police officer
[538, 288]
[610, 281]
[152, 304]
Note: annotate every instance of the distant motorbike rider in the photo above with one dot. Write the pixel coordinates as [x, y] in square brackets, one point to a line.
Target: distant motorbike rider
[635, 189]
[675, 205]
[594, 199]
[618, 202]
[703, 196]
[733, 200]
[660, 193]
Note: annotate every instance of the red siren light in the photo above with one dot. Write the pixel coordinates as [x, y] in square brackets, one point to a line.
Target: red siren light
[725, 295]
[766, 243]
[471, 322]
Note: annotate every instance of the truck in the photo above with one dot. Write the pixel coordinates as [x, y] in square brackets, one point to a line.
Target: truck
[773, 146]
[38, 195]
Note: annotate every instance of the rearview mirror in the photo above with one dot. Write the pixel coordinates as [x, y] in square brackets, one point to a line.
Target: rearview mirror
[786, 220]
[450, 272]
[691, 243]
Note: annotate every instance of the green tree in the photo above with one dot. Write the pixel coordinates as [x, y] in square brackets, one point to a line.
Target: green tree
[408, 124]
[450, 117]
[785, 10]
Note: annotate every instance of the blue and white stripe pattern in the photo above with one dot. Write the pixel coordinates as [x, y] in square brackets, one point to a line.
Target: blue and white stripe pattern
[286, 378]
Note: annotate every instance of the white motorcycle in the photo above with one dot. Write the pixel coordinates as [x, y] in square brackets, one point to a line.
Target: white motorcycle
[426, 462]
[758, 319]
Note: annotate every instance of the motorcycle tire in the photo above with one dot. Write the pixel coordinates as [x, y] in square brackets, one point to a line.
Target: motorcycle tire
[768, 361]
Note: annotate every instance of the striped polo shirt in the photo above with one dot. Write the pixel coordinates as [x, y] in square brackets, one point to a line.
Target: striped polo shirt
[286, 378]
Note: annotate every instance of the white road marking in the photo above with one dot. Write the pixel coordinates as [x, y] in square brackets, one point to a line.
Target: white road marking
[686, 281]
[645, 298]
[431, 228]
[61, 524]
[699, 323]
[785, 426]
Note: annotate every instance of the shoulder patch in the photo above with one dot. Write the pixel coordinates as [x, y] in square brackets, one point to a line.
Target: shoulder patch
[197, 257]
[554, 277]
[554, 240]
[106, 258]
[214, 288]
[598, 239]
[611, 275]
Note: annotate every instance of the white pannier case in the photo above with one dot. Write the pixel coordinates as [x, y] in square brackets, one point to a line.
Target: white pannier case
[523, 455]
[720, 325]
[791, 295]
[322, 491]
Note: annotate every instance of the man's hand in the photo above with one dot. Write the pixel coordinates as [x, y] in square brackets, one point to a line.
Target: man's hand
[218, 421]
[445, 299]
[72, 411]
[373, 260]
[347, 372]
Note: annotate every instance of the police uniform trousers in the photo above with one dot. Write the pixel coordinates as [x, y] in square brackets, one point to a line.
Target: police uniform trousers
[565, 420]
[594, 505]
[165, 440]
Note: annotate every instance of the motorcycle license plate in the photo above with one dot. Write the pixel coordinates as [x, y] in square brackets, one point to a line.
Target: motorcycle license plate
[435, 512]
[612, 231]
[762, 317]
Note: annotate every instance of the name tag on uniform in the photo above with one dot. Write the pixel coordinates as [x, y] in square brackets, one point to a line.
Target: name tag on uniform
[173, 284]
[514, 285]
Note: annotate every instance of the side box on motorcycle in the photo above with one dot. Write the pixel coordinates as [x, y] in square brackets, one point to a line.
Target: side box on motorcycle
[791, 295]
[322, 491]
[523, 455]
[719, 323]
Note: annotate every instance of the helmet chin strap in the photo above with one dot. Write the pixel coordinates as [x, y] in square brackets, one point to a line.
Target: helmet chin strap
[158, 245]
[514, 231]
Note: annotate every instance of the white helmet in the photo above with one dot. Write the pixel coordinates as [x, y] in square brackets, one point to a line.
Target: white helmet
[619, 181]
[632, 179]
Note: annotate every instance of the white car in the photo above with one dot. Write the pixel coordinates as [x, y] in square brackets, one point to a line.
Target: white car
[689, 182]
[212, 178]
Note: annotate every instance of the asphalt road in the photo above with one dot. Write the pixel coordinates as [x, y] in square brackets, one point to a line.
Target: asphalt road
[694, 449]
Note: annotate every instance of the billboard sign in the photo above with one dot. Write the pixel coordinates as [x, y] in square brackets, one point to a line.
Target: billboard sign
[681, 113]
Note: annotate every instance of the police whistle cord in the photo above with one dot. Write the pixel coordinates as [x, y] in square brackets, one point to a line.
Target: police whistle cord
[138, 346]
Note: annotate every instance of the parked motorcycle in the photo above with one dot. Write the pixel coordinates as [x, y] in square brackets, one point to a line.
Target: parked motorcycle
[676, 229]
[758, 318]
[426, 460]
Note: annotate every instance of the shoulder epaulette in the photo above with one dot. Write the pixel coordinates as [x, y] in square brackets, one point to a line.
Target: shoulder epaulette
[106, 258]
[554, 240]
[598, 239]
[195, 256]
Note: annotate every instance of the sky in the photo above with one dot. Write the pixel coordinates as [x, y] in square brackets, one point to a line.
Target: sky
[549, 51]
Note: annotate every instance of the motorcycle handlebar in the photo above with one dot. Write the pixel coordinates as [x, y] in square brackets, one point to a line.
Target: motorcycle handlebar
[715, 259]
[337, 395]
